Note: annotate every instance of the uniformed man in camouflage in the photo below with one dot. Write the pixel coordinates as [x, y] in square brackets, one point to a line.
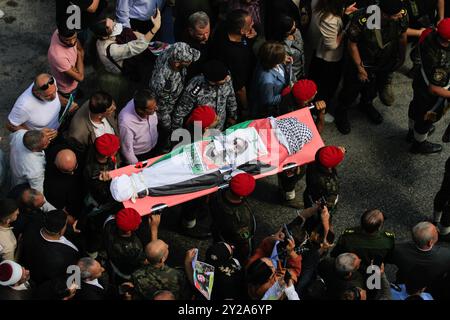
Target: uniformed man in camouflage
[213, 88]
[322, 182]
[168, 81]
[124, 242]
[233, 219]
[157, 276]
[376, 51]
[369, 241]
[431, 88]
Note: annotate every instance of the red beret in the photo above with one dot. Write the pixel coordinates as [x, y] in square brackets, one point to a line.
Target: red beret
[242, 184]
[205, 114]
[107, 144]
[304, 90]
[6, 272]
[443, 29]
[330, 156]
[128, 219]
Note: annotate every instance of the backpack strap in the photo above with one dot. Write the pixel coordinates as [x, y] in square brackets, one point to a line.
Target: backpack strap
[110, 58]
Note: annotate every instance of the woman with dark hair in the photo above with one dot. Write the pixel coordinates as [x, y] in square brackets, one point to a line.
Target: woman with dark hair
[113, 50]
[288, 34]
[273, 74]
[124, 57]
[326, 65]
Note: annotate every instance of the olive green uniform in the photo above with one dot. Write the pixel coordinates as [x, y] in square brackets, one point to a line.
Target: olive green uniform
[369, 248]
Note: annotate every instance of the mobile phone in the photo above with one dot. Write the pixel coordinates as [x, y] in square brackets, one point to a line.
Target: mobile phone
[287, 234]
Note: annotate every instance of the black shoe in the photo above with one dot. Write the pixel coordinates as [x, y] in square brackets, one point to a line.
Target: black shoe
[342, 123]
[197, 232]
[372, 113]
[425, 147]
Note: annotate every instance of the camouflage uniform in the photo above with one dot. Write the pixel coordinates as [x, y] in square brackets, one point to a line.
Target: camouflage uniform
[167, 83]
[233, 223]
[126, 254]
[379, 49]
[321, 183]
[200, 92]
[149, 279]
[367, 247]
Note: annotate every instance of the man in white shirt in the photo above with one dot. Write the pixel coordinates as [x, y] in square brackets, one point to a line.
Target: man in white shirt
[27, 159]
[37, 107]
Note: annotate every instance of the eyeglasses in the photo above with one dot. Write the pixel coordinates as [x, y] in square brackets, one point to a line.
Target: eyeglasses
[50, 82]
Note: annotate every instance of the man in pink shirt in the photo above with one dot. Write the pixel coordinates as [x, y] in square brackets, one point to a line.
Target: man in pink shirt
[65, 57]
[138, 127]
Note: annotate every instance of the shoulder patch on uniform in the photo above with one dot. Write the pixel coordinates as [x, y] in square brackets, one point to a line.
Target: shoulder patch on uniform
[362, 21]
[196, 90]
[349, 231]
[389, 234]
[439, 75]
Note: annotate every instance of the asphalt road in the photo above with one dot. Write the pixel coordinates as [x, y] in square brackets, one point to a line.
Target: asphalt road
[378, 171]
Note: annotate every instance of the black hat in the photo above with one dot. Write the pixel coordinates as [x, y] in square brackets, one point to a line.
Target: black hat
[215, 71]
[55, 221]
[391, 7]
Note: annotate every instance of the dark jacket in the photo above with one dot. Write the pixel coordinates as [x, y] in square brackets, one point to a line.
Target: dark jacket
[81, 129]
[8, 293]
[46, 260]
[92, 292]
[63, 190]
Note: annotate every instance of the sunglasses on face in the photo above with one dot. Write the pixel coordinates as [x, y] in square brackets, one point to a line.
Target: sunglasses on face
[50, 82]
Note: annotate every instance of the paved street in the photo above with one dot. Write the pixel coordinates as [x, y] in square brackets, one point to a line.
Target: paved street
[378, 172]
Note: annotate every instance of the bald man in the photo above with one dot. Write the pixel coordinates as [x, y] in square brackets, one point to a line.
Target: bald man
[164, 295]
[422, 253]
[63, 181]
[66, 161]
[37, 108]
[157, 276]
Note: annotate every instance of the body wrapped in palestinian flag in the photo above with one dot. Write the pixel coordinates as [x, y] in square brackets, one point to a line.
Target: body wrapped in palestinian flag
[260, 147]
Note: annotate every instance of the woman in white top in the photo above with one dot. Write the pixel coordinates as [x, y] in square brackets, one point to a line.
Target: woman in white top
[326, 66]
[114, 53]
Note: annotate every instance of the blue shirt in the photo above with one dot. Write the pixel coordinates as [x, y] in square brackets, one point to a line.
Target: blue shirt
[402, 294]
[136, 9]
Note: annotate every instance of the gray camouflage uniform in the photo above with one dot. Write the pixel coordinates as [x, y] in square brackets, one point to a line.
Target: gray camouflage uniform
[167, 83]
[199, 92]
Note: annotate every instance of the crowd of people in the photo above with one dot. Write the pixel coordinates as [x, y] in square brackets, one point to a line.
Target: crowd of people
[163, 65]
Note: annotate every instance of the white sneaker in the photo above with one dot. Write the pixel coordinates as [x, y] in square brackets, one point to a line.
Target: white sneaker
[2, 14]
[290, 195]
